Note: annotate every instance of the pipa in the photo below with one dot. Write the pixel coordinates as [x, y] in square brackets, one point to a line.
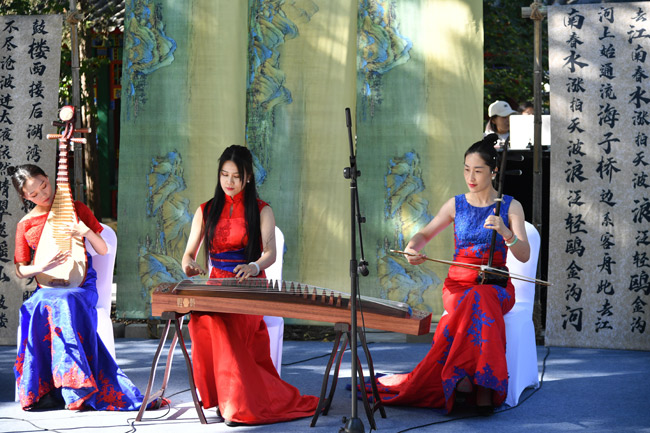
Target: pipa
[72, 273]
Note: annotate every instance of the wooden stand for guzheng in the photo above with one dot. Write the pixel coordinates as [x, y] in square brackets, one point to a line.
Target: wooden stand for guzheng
[157, 397]
[171, 301]
[343, 330]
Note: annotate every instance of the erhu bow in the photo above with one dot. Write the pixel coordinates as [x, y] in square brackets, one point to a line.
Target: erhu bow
[480, 268]
[62, 213]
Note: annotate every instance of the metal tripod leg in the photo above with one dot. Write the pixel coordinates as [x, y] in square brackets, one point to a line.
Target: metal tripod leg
[377, 404]
[364, 397]
[343, 330]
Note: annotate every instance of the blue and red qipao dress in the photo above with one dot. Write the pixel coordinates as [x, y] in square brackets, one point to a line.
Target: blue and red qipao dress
[470, 340]
[230, 352]
[60, 352]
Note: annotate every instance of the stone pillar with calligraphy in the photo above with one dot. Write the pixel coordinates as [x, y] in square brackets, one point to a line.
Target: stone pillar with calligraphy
[30, 53]
[599, 234]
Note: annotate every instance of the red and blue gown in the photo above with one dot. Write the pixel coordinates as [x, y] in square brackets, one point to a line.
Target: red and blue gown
[60, 352]
[470, 340]
[230, 352]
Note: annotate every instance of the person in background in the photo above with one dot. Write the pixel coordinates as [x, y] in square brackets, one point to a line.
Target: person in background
[231, 357]
[526, 108]
[499, 123]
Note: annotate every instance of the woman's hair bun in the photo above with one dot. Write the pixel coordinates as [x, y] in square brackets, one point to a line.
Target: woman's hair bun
[491, 139]
[11, 170]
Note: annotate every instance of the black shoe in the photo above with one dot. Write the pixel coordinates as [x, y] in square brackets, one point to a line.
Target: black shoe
[485, 410]
[47, 402]
[234, 423]
[462, 397]
[219, 417]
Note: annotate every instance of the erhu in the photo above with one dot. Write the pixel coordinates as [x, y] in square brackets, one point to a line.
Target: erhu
[62, 214]
[497, 278]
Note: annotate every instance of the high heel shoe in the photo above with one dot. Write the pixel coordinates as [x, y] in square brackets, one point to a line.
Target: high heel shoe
[483, 396]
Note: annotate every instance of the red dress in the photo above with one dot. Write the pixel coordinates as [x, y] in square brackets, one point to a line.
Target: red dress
[231, 354]
[470, 340]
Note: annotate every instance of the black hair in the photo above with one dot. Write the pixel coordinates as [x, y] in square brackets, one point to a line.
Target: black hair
[243, 159]
[524, 105]
[20, 175]
[485, 149]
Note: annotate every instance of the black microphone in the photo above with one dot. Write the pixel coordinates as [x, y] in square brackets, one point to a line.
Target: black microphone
[363, 268]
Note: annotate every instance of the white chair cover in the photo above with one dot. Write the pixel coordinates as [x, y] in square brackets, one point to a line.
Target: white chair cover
[104, 265]
[521, 351]
[274, 324]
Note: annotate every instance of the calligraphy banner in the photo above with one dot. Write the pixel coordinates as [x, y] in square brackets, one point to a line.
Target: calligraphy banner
[600, 195]
[30, 53]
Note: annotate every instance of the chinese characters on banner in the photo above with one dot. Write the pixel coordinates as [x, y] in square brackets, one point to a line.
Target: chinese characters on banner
[30, 52]
[599, 58]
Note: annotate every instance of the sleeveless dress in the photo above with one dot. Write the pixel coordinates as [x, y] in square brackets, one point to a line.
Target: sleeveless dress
[60, 352]
[230, 352]
[469, 340]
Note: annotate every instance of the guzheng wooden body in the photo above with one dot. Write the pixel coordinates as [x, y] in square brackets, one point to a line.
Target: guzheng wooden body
[288, 299]
[72, 273]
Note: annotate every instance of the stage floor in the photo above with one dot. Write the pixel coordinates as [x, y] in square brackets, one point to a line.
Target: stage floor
[587, 390]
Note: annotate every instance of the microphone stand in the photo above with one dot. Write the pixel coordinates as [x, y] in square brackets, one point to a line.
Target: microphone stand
[354, 424]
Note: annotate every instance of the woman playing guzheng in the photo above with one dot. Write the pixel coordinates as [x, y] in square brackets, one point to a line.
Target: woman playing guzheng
[467, 359]
[231, 358]
[61, 360]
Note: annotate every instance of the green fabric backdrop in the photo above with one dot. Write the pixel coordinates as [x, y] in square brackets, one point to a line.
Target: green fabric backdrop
[277, 75]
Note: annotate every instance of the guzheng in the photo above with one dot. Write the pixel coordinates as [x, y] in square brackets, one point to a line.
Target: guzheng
[286, 299]
[72, 273]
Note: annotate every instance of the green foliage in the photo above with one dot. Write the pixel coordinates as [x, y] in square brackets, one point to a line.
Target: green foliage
[32, 7]
[88, 66]
[509, 52]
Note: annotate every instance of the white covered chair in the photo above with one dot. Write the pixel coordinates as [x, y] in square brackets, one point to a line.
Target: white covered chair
[105, 265]
[521, 351]
[274, 324]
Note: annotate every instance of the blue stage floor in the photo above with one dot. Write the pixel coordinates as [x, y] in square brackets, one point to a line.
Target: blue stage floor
[586, 390]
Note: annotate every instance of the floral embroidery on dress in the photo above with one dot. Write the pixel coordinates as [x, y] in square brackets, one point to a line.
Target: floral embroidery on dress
[479, 318]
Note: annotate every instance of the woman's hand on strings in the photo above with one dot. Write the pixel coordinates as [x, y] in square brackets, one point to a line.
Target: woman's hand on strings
[495, 222]
[243, 272]
[58, 259]
[77, 229]
[192, 268]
